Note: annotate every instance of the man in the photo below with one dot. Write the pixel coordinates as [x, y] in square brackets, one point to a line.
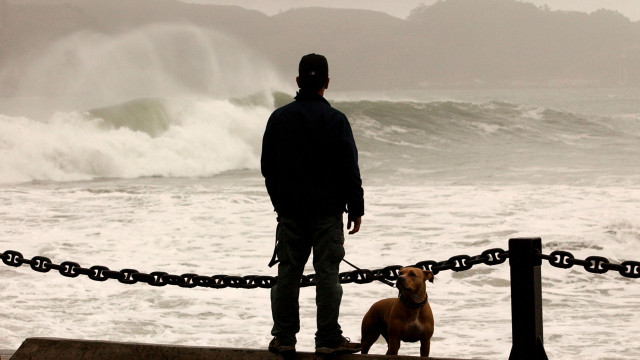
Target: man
[310, 165]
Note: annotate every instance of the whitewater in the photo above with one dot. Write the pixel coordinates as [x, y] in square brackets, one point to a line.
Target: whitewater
[104, 161]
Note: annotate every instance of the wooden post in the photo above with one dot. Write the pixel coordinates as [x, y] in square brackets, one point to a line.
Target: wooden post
[526, 299]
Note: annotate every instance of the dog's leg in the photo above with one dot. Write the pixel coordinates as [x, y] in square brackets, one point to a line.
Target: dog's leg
[425, 346]
[370, 332]
[367, 341]
[393, 343]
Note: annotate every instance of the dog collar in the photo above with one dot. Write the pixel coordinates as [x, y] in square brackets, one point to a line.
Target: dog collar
[411, 304]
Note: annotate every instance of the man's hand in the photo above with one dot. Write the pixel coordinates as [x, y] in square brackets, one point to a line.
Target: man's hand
[356, 225]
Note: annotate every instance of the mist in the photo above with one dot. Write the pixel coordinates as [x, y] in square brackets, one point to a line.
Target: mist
[118, 50]
[157, 60]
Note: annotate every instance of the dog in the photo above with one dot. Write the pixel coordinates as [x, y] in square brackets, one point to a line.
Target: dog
[405, 318]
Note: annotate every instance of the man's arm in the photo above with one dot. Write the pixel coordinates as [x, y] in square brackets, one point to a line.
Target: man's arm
[267, 161]
[352, 179]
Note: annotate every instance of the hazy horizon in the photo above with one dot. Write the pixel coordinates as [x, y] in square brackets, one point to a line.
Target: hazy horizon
[401, 9]
[499, 43]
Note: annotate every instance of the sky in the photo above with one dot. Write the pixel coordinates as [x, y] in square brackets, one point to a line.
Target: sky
[402, 8]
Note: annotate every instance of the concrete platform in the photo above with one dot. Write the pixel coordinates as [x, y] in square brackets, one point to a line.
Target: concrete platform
[5, 354]
[65, 349]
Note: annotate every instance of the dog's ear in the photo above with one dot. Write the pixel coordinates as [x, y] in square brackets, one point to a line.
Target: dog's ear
[428, 275]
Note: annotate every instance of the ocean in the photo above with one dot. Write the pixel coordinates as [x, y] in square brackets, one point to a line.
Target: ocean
[163, 175]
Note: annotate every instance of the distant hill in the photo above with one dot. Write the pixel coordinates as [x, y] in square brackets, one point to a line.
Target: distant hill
[450, 43]
[503, 41]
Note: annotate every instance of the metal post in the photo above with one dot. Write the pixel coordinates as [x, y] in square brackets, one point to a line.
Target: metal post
[526, 299]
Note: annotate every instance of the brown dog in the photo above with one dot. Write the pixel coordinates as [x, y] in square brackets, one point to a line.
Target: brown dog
[405, 318]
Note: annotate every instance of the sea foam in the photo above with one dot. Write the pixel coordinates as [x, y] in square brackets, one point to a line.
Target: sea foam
[191, 137]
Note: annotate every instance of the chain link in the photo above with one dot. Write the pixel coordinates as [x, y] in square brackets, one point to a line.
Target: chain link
[496, 256]
[490, 257]
[132, 276]
[593, 264]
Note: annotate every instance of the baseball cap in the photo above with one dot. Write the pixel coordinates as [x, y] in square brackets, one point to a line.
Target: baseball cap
[313, 71]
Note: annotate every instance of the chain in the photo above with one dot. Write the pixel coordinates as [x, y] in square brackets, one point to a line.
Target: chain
[465, 262]
[496, 256]
[593, 264]
[131, 276]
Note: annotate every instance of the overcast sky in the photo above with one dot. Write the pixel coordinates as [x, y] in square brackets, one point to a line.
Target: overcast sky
[401, 8]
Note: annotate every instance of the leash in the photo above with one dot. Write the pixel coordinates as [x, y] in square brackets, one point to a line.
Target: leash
[384, 281]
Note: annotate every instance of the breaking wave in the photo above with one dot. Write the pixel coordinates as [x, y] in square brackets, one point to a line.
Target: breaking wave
[201, 136]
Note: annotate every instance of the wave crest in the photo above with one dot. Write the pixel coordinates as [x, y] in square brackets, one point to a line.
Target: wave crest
[193, 137]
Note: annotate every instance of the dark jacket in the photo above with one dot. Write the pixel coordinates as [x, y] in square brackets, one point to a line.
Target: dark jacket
[310, 160]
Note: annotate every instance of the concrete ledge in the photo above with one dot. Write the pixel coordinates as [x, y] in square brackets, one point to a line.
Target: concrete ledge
[5, 354]
[65, 349]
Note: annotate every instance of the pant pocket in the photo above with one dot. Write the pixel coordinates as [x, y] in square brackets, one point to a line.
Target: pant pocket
[335, 241]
